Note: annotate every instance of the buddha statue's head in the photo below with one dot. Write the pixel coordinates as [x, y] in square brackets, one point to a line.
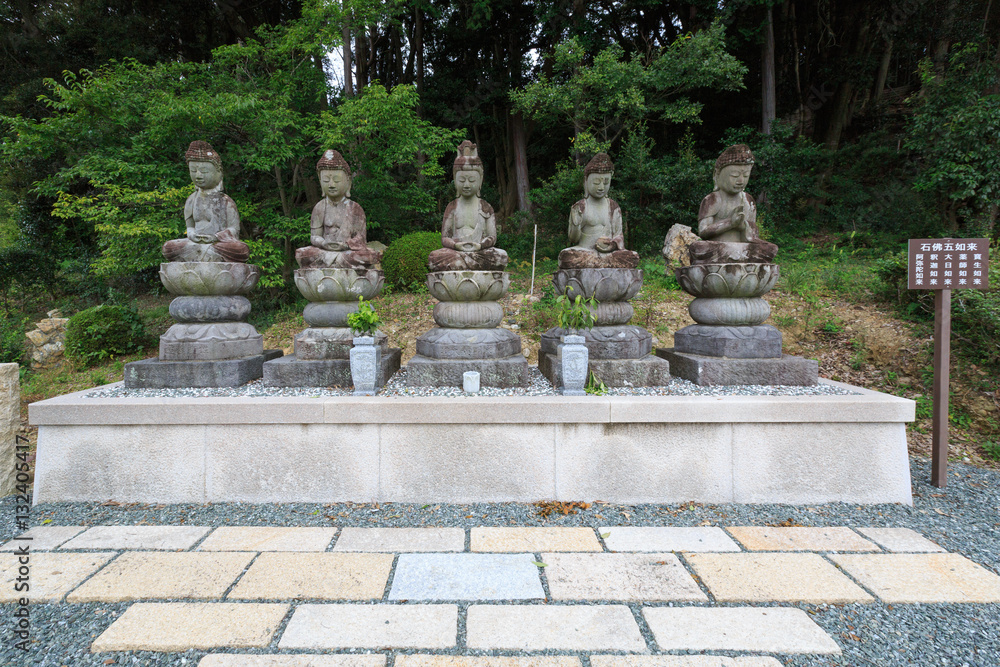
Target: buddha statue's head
[468, 170]
[597, 176]
[334, 175]
[204, 165]
[732, 169]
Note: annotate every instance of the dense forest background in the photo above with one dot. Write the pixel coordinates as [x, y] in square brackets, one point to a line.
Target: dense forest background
[871, 121]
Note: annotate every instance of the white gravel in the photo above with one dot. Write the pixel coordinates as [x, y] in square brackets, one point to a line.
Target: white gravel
[538, 385]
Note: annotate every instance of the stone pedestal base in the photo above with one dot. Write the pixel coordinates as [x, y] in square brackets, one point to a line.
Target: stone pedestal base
[292, 371]
[325, 343]
[210, 341]
[157, 374]
[647, 371]
[703, 370]
[621, 341]
[509, 371]
[751, 342]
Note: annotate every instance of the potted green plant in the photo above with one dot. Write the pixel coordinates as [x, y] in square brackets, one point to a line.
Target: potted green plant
[574, 358]
[366, 356]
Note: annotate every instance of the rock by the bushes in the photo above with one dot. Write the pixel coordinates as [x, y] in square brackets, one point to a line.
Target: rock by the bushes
[46, 344]
[675, 246]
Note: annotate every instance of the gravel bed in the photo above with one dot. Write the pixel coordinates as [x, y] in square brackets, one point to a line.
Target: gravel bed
[538, 385]
[962, 518]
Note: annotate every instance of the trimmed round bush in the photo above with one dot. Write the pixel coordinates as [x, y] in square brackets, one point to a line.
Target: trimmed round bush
[405, 260]
[102, 332]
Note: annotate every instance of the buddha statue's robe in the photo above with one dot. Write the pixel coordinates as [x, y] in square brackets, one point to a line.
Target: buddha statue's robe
[343, 228]
[596, 232]
[735, 245]
[209, 213]
[480, 230]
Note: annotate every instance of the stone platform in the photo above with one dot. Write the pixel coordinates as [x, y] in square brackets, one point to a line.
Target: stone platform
[444, 354]
[157, 374]
[626, 449]
[705, 370]
[291, 371]
[647, 371]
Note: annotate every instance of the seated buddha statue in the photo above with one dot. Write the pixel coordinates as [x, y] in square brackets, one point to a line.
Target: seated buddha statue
[469, 227]
[338, 230]
[727, 219]
[595, 224]
[213, 223]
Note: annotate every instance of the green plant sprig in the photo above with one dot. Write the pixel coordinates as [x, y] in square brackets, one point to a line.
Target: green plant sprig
[366, 320]
[577, 314]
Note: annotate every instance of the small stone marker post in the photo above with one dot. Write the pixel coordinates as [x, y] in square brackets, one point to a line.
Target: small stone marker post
[10, 415]
[943, 265]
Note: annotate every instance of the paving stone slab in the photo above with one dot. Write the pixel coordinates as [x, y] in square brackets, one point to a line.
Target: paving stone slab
[170, 538]
[922, 577]
[764, 538]
[377, 626]
[542, 627]
[652, 538]
[771, 630]
[466, 577]
[900, 540]
[52, 574]
[400, 540]
[179, 626]
[682, 661]
[140, 575]
[534, 539]
[43, 538]
[420, 660]
[267, 538]
[774, 577]
[319, 576]
[236, 660]
[634, 577]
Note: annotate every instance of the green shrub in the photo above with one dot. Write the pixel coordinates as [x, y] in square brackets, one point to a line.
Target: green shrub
[405, 260]
[104, 331]
[11, 338]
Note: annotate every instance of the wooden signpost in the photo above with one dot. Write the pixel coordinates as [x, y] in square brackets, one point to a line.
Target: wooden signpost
[943, 265]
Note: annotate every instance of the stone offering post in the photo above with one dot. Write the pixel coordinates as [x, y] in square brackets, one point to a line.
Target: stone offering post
[211, 345]
[943, 265]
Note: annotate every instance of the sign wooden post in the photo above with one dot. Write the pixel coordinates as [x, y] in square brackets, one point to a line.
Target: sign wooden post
[943, 265]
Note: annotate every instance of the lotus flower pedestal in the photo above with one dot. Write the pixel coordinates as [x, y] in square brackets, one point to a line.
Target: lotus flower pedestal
[619, 352]
[211, 345]
[323, 351]
[467, 337]
[730, 344]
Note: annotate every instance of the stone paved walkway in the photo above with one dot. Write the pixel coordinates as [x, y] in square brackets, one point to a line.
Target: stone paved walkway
[604, 597]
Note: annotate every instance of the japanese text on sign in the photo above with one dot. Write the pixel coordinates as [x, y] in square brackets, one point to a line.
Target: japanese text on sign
[948, 264]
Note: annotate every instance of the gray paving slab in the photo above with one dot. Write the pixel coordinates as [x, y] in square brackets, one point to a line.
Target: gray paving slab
[466, 576]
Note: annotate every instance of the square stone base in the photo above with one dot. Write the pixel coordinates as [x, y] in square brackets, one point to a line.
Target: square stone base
[156, 374]
[510, 371]
[647, 371]
[786, 370]
[291, 371]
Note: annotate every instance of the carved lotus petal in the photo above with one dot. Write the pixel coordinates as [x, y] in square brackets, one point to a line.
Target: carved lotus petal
[338, 284]
[208, 278]
[738, 281]
[468, 285]
[601, 284]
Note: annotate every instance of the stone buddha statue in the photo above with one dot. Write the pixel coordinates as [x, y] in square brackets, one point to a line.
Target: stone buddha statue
[338, 228]
[213, 223]
[727, 219]
[595, 224]
[469, 228]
